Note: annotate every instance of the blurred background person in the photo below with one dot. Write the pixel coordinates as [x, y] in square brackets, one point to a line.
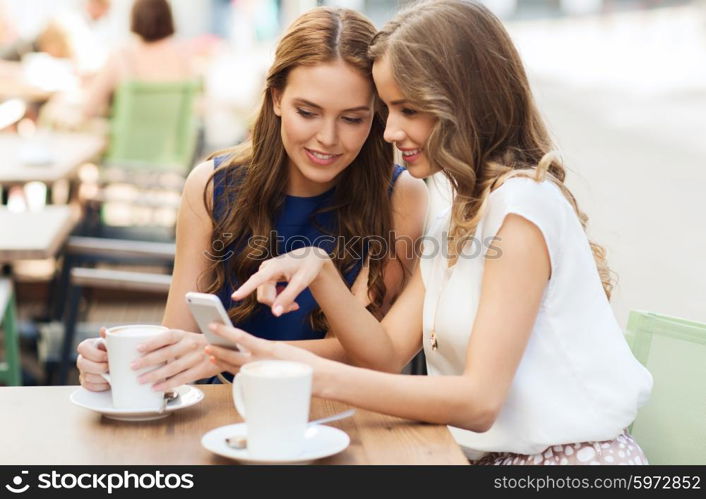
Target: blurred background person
[97, 10]
[94, 33]
[54, 39]
[152, 55]
[8, 33]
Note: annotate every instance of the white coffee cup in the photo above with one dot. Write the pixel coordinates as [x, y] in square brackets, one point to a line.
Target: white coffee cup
[273, 397]
[127, 392]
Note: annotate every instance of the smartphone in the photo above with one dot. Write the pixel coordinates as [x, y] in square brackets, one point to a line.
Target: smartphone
[206, 309]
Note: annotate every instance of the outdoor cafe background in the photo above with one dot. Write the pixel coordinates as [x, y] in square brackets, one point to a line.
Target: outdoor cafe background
[616, 80]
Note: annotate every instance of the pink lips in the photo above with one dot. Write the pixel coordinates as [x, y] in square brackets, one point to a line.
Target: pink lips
[319, 161]
[412, 158]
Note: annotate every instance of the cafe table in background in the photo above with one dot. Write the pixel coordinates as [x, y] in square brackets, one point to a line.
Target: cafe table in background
[46, 156]
[27, 235]
[15, 82]
[41, 426]
[33, 235]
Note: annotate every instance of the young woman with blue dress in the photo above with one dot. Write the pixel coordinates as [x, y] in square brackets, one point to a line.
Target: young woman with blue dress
[316, 170]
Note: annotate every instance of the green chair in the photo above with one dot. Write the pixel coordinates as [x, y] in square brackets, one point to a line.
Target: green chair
[671, 427]
[152, 145]
[153, 127]
[10, 369]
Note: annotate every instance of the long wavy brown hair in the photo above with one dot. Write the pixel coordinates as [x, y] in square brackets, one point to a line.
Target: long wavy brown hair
[256, 172]
[454, 60]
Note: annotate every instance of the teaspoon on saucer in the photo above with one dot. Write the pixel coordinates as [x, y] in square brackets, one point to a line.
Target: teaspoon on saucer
[168, 397]
[241, 441]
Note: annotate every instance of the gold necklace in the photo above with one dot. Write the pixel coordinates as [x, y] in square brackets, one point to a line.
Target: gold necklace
[433, 338]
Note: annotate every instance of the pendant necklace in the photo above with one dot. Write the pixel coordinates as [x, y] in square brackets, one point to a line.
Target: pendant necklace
[433, 339]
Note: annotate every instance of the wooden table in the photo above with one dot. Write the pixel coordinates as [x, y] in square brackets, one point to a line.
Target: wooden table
[67, 150]
[39, 425]
[35, 234]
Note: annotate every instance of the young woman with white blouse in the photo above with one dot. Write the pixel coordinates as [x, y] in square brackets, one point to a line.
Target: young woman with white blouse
[527, 364]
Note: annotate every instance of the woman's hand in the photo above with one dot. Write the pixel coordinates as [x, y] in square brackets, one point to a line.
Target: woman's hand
[298, 268]
[253, 349]
[92, 361]
[184, 356]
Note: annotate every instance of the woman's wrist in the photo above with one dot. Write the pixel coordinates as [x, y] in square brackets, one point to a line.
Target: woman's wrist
[327, 271]
[325, 372]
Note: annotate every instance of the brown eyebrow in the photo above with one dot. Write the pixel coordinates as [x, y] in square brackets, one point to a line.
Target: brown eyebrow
[316, 106]
[398, 102]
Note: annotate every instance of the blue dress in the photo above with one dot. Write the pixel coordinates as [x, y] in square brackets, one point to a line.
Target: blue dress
[295, 229]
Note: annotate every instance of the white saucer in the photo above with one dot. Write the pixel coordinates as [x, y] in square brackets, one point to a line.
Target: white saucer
[320, 441]
[102, 403]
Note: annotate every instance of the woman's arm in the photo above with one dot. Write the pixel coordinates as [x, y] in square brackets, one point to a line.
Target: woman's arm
[409, 206]
[511, 293]
[384, 346]
[182, 346]
[395, 340]
[193, 242]
[409, 203]
[101, 87]
[354, 327]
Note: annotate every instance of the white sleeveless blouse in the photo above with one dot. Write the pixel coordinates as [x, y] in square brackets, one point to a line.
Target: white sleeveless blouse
[577, 380]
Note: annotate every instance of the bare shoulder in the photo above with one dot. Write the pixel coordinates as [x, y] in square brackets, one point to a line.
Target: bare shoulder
[197, 182]
[521, 243]
[409, 193]
[200, 174]
[409, 201]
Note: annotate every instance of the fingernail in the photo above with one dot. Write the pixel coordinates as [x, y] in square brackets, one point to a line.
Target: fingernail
[212, 360]
[277, 310]
[140, 348]
[207, 349]
[134, 364]
[213, 326]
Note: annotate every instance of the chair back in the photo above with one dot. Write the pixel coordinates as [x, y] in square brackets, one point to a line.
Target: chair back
[153, 127]
[11, 367]
[671, 427]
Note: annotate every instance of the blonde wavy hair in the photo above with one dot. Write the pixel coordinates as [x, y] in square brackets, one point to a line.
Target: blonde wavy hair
[455, 60]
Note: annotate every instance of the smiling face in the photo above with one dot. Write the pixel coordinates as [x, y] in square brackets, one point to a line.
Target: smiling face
[406, 127]
[326, 113]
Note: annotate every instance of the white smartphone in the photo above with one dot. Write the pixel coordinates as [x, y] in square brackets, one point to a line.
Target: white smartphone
[207, 309]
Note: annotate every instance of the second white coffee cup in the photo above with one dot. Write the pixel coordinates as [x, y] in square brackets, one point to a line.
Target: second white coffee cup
[127, 392]
[273, 396]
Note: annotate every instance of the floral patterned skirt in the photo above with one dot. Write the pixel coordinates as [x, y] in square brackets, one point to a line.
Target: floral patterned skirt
[622, 450]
